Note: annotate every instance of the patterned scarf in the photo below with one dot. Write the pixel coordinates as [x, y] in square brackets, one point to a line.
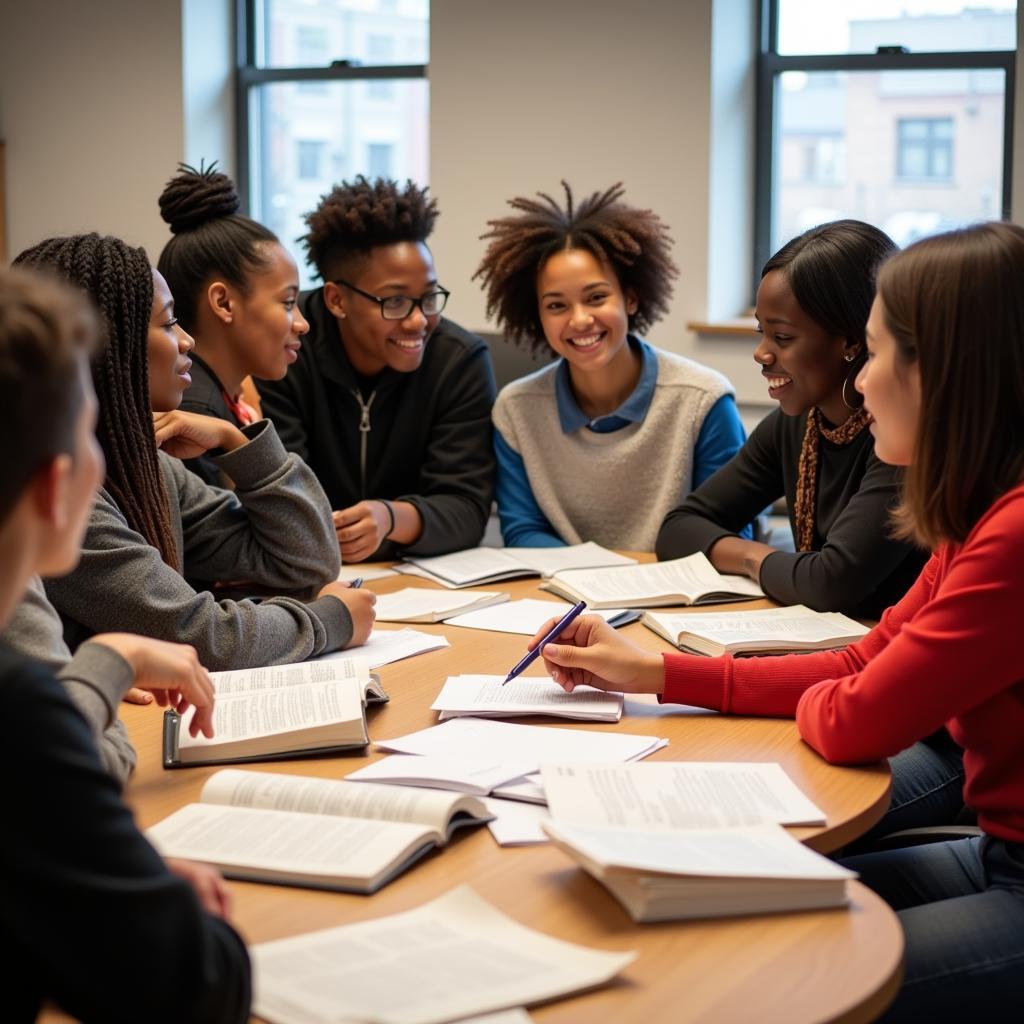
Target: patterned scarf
[243, 412]
[807, 469]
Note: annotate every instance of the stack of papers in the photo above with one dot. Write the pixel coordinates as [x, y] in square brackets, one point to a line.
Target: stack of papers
[475, 960]
[387, 645]
[764, 631]
[489, 565]
[486, 697]
[418, 604]
[527, 615]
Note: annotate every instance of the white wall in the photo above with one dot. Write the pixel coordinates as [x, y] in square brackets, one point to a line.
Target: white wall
[91, 111]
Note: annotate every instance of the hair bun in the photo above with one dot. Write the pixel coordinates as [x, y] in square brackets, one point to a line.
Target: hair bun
[192, 197]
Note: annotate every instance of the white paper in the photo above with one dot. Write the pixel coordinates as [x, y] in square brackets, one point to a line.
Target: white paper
[253, 680]
[676, 795]
[515, 823]
[364, 572]
[548, 561]
[419, 603]
[509, 742]
[524, 616]
[525, 695]
[448, 959]
[387, 645]
[463, 775]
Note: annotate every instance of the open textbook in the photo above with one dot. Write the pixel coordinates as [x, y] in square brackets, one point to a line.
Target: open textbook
[487, 697]
[690, 580]
[446, 960]
[489, 565]
[422, 604]
[320, 833]
[676, 794]
[312, 707]
[686, 873]
[528, 614]
[762, 631]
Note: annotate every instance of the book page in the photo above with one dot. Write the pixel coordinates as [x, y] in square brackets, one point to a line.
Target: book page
[245, 715]
[414, 603]
[797, 624]
[445, 960]
[524, 695]
[388, 645]
[479, 738]
[524, 616]
[285, 841]
[310, 795]
[676, 794]
[477, 775]
[251, 680]
[548, 561]
[472, 564]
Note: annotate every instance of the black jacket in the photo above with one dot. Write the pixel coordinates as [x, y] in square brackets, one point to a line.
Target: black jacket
[86, 901]
[205, 396]
[427, 433]
[856, 567]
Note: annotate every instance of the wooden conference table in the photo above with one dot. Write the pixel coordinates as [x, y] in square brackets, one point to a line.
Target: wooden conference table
[841, 965]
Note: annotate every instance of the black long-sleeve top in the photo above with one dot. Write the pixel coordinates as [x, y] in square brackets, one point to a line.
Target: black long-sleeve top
[855, 566]
[205, 397]
[428, 440]
[90, 917]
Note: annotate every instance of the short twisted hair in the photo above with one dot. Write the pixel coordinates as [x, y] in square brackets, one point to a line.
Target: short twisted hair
[359, 215]
[119, 280]
[634, 243]
[45, 327]
[211, 239]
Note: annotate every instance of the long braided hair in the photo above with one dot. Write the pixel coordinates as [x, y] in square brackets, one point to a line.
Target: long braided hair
[119, 280]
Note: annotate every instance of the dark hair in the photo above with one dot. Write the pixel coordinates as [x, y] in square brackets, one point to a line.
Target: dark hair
[955, 308]
[119, 280]
[360, 215]
[211, 238]
[45, 328]
[633, 242]
[831, 271]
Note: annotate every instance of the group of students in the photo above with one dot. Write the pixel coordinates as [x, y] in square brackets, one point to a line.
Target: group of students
[380, 433]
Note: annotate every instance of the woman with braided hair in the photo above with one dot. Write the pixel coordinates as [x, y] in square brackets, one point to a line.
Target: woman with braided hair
[390, 403]
[235, 291]
[155, 522]
[812, 305]
[601, 444]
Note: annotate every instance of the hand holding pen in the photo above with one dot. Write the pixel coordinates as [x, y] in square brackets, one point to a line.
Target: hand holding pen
[536, 645]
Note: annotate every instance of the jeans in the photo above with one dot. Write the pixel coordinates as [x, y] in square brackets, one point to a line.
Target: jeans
[927, 789]
[961, 906]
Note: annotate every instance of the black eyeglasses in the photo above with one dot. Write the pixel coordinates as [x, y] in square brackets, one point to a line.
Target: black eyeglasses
[398, 307]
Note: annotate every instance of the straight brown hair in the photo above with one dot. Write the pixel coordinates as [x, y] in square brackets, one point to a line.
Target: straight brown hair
[954, 304]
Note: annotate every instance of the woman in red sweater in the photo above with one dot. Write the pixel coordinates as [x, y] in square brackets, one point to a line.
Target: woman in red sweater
[945, 388]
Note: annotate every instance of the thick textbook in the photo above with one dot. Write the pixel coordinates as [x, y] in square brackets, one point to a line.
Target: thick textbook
[489, 565]
[314, 707]
[689, 580]
[449, 959]
[687, 873]
[762, 631]
[311, 832]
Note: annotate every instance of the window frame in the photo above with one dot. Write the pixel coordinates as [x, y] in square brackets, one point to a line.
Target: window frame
[249, 77]
[771, 64]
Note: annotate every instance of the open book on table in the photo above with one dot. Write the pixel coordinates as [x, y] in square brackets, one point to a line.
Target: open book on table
[690, 580]
[687, 873]
[454, 957]
[489, 565]
[318, 833]
[314, 707]
[762, 631]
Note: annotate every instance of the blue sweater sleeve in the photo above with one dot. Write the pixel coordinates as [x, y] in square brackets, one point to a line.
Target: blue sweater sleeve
[523, 524]
[721, 437]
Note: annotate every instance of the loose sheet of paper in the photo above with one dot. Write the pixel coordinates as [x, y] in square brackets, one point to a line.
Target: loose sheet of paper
[414, 603]
[387, 645]
[524, 616]
[363, 572]
[464, 775]
[516, 823]
[676, 794]
[448, 959]
[525, 695]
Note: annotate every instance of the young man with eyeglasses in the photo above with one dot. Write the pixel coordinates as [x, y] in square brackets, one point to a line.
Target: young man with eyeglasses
[390, 403]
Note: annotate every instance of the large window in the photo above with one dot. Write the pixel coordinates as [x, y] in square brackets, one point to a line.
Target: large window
[328, 89]
[899, 114]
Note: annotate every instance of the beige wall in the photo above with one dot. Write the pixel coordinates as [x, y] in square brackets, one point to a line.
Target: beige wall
[91, 112]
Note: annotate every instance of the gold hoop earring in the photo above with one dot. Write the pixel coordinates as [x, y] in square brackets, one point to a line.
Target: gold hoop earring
[852, 408]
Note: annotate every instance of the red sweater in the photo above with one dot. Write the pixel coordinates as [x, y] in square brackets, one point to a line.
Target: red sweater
[948, 654]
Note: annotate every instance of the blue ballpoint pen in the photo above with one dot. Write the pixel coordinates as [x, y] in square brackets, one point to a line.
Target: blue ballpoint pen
[356, 583]
[532, 656]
